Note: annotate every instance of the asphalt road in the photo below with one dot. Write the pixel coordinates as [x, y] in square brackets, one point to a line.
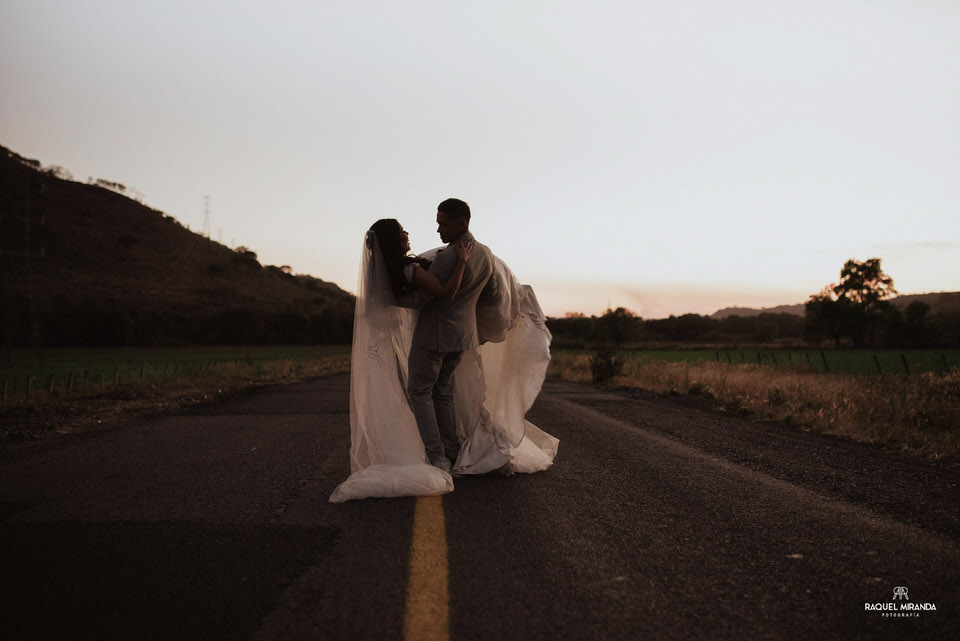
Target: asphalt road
[659, 520]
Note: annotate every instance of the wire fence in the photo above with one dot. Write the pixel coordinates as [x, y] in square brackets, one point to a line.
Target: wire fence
[870, 362]
[105, 373]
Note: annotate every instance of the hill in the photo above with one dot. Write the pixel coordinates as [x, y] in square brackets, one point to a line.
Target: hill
[83, 264]
[939, 302]
[796, 310]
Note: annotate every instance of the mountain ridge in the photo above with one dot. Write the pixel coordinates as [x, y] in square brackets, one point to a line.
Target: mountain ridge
[940, 302]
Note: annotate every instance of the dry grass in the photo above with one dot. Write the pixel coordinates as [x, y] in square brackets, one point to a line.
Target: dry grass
[918, 413]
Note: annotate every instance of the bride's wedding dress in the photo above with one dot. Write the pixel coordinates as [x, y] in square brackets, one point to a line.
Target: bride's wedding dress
[494, 386]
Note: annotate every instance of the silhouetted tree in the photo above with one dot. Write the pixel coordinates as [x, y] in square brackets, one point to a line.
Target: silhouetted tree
[684, 327]
[246, 257]
[825, 317]
[864, 283]
[59, 172]
[855, 308]
[909, 328]
[619, 326]
[573, 330]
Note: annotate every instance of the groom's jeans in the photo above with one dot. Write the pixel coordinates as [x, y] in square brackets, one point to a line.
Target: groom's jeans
[430, 387]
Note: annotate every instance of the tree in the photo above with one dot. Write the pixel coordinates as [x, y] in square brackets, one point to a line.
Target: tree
[916, 314]
[573, 330]
[855, 308]
[245, 256]
[59, 172]
[825, 316]
[910, 328]
[619, 326]
[109, 184]
[683, 328]
[864, 283]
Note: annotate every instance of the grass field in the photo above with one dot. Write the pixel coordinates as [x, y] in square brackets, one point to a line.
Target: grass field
[84, 371]
[847, 361]
[919, 413]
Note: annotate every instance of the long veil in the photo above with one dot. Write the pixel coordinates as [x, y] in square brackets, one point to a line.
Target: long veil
[386, 454]
[494, 387]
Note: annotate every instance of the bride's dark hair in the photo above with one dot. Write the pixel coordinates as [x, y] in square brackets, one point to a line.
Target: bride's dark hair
[388, 234]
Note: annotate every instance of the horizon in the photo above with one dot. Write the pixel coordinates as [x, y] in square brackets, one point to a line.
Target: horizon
[613, 156]
[626, 292]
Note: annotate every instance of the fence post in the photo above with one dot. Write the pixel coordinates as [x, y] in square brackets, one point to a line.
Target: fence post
[6, 384]
[773, 357]
[718, 357]
[141, 370]
[790, 358]
[29, 386]
[823, 357]
[946, 367]
[758, 358]
[70, 383]
[876, 361]
[103, 377]
[50, 384]
[904, 360]
[116, 378]
[729, 360]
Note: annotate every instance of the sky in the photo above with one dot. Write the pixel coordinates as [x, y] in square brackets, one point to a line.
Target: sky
[668, 157]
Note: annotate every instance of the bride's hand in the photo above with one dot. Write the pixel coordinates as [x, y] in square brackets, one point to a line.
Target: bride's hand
[465, 250]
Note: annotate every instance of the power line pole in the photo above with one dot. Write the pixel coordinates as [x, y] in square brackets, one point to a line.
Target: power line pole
[206, 216]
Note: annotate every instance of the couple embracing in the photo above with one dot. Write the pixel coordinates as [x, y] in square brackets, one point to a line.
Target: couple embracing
[449, 353]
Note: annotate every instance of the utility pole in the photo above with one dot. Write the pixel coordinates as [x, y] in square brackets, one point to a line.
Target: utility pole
[206, 216]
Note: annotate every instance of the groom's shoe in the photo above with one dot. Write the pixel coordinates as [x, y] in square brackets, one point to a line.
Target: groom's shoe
[442, 464]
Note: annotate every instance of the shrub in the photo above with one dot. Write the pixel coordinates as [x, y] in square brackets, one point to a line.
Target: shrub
[604, 365]
[776, 396]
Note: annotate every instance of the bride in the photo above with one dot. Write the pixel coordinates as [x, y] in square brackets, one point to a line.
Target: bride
[494, 384]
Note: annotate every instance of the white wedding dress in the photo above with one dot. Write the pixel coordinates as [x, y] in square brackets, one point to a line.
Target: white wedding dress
[494, 386]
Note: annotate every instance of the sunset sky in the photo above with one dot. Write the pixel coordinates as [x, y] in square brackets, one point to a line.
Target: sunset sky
[668, 157]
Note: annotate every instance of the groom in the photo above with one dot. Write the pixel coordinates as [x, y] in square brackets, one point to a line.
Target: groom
[444, 331]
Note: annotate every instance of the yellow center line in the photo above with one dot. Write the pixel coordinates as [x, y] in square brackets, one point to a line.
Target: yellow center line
[427, 615]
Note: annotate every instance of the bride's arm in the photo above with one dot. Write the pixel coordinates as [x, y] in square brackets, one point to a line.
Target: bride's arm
[431, 285]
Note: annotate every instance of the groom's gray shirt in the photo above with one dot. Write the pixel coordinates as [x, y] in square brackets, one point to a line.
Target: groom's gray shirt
[452, 327]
